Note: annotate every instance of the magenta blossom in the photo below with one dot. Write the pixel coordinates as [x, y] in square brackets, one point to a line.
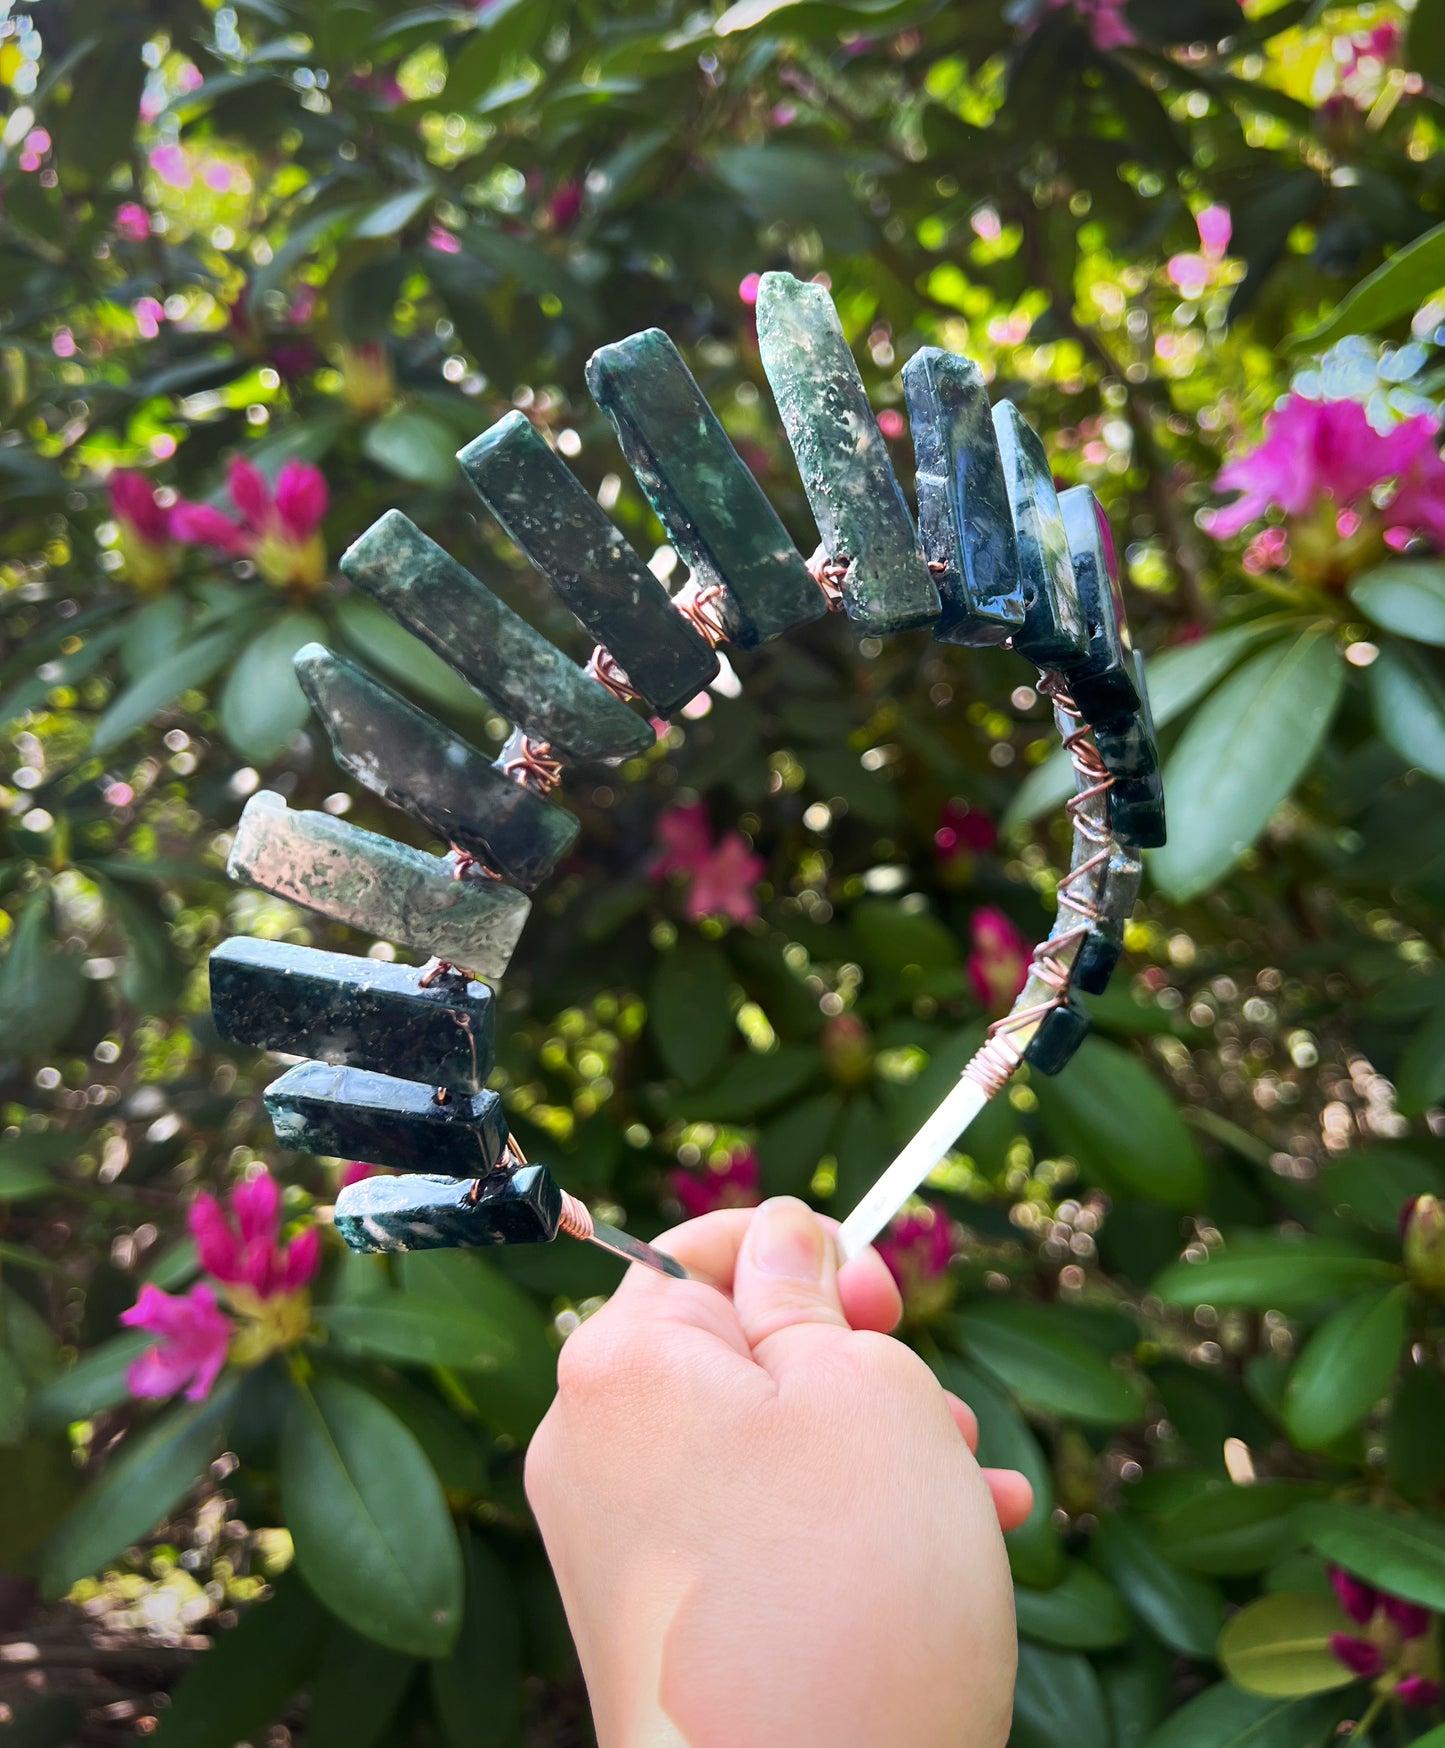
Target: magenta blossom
[1395, 1629]
[279, 531]
[721, 878]
[1105, 20]
[890, 423]
[1192, 273]
[963, 833]
[998, 965]
[240, 1244]
[735, 1183]
[564, 207]
[146, 533]
[917, 1248]
[195, 1335]
[685, 834]
[132, 222]
[1417, 1690]
[748, 288]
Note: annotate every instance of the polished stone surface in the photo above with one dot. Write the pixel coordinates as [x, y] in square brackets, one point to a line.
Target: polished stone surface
[347, 1113]
[1129, 749]
[1098, 956]
[556, 523]
[1102, 684]
[439, 1213]
[1054, 632]
[1136, 810]
[964, 520]
[862, 518]
[407, 758]
[715, 513]
[1123, 876]
[383, 888]
[525, 676]
[1059, 1036]
[352, 1012]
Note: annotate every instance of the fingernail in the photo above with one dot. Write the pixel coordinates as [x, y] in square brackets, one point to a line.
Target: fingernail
[786, 1240]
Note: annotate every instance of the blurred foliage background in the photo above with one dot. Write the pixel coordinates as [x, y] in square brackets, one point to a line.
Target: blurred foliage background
[1191, 1287]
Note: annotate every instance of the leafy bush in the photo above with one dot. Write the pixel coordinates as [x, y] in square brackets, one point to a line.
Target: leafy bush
[265, 268]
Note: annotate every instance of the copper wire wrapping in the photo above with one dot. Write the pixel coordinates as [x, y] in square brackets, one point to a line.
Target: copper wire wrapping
[698, 604]
[604, 667]
[534, 765]
[574, 1220]
[828, 573]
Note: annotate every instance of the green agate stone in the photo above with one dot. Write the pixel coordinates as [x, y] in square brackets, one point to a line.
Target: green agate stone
[1054, 632]
[346, 1113]
[1059, 1036]
[964, 520]
[1102, 684]
[354, 1013]
[440, 1213]
[1129, 749]
[557, 524]
[714, 511]
[1136, 810]
[1117, 895]
[383, 888]
[862, 519]
[489, 645]
[1097, 958]
[407, 758]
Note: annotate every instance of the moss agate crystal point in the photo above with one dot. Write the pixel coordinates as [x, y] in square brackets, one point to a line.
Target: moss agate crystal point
[714, 511]
[1102, 684]
[352, 1012]
[440, 1213]
[1054, 632]
[1061, 1032]
[1129, 749]
[964, 520]
[862, 518]
[553, 519]
[489, 645]
[348, 1113]
[383, 888]
[407, 758]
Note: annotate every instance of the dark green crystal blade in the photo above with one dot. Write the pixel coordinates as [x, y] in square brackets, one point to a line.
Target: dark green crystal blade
[347, 1113]
[714, 511]
[1061, 1032]
[440, 1213]
[369, 882]
[964, 521]
[1129, 749]
[557, 523]
[407, 758]
[1053, 632]
[489, 645]
[862, 518]
[1102, 947]
[1102, 684]
[351, 1012]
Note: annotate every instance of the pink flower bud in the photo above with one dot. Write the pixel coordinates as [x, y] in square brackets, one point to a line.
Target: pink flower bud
[249, 492]
[1417, 1690]
[1359, 1656]
[204, 525]
[735, 1184]
[195, 1336]
[301, 499]
[1410, 1620]
[1358, 1599]
[1424, 1243]
[133, 499]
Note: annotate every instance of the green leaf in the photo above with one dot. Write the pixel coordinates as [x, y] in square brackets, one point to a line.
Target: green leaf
[154, 972]
[1182, 1611]
[1408, 698]
[412, 1330]
[1233, 1530]
[373, 1536]
[476, 1692]
[52, 1722]
[152, 635]
[1279, 1646]
[358, 1690]
[1241, 755]
[1082, 1612]
[247, 1679]
[1057, 1699]
[394, 213]
[1403, 1553]
[1411, 274]
[375, 635]
[12, 1402]
[1225, 1716]
[1415, 1452]
[1406, 597]
[181, 672]
[1123, 1128]
[1346, 1368]
[1045, 1370]
[750, 1085]
[861, 1145]
[791, 1145]
[138, 1489]
[413, 446]
[1421, 1075]
[1266, 1272]
[94, 1383]
[1374, 1183]
[1425, 53]
[262, 705]
[689, 1015]
[42, 989]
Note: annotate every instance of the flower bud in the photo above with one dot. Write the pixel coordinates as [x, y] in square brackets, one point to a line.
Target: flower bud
[847, 1050]
[1424, 1243]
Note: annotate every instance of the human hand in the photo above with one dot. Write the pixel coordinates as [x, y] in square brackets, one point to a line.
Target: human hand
[764, 1515]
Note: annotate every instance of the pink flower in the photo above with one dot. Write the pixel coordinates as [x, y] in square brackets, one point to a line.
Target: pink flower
[279, 530]
[1370, 50]
[1409, 1619]
[445, 242]
[134, 501]
[917, 1248]
[195, 1335]
[736, 1183]
[172, 165]
[748, 288]
[685, 834]
[240, 1245]
[998, 966]
[356, 1171]
[725, 884]
[1318, 451]
[890, 423]
[1358, 1599]
[1359, 1656]
[565, 206]
[963, 833]
[1417, 1690]
[1107, 26]
[132, 222]
[1215, 229]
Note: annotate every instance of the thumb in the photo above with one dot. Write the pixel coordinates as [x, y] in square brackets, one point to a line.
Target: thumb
[787, 1274]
